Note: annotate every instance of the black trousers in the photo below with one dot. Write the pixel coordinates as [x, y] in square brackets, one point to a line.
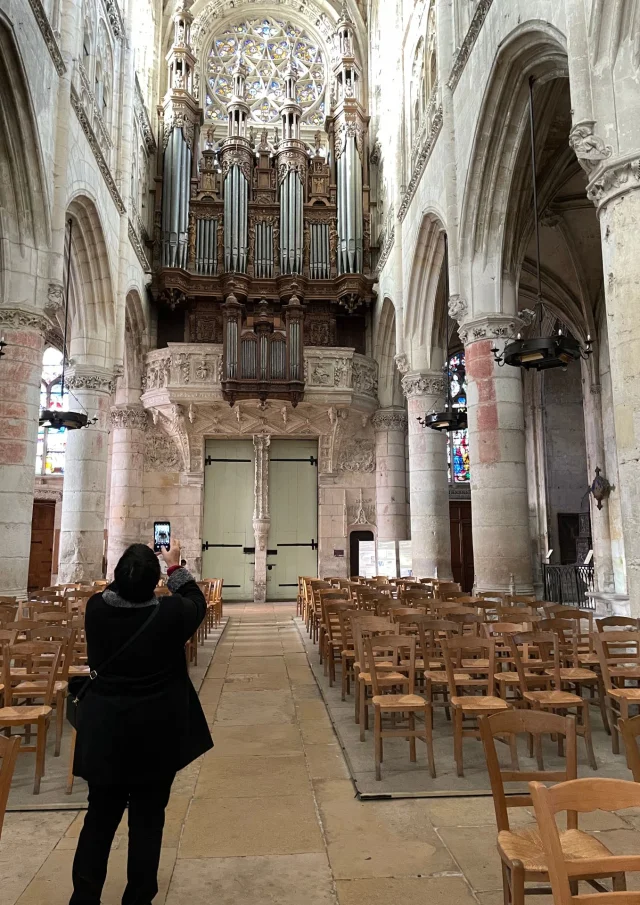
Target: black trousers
[147, 805]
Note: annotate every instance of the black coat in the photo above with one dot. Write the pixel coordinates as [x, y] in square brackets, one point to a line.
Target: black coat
[142, 720]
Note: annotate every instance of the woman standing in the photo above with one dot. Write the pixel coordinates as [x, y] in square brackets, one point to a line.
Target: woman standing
[140, 722]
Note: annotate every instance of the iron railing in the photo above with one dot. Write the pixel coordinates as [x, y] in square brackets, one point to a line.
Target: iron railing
[569, 584]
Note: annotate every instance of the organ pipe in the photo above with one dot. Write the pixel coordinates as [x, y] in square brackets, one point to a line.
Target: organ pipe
[175, 201]
[320, 251]
[236, 196]
[350, 209]
[291, 223]
[207, 247]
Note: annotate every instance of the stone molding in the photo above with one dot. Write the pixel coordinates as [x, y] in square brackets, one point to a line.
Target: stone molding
[470, 39]
[387, 240]
[48, 34]
[390, 420]
[92, 379]
[138, 247]
[261, 444]
[489, 326]
[144, 119]
[43, 491]
[24, 318]
[115, 18]
[614, 179]
[421, 163]
[129, 417]
[429, 383]
[103, 166]
[589, 148]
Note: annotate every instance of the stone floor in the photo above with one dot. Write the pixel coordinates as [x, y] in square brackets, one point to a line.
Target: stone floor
[270, 815]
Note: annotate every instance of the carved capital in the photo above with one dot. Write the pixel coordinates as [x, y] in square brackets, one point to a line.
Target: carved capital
[129, 417]
[589, 148]
[390, 420]
[430, 383]
[24, 318]
[490, 326]
[93, 380]
[613, 180]
[402, 363]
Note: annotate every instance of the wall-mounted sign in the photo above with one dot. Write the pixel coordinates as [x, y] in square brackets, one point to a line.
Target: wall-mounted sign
[338, 552]
[367, 558]
[388, 558]
[405, 555]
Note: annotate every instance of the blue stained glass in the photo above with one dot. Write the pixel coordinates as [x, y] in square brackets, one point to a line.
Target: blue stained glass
[458, 441]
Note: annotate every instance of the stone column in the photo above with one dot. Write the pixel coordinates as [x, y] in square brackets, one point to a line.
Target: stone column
[499, 497]
[85, 478]
[616, 192]
[23, 330]
[261, 517]
[390, 425]
[128, 431]
[429, 478]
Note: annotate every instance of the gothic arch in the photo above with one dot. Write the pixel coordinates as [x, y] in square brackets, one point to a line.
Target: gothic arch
[92, 304]
[389, 389]
[423, 318]
[538, 49]
[136, 340]
[24, 210]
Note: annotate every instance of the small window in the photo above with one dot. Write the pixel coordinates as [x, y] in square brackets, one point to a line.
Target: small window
[52, 443]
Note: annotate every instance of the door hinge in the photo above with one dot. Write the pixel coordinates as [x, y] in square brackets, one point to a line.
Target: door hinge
[207, 546]
[209, 460]
[313, 545]
[312, 460]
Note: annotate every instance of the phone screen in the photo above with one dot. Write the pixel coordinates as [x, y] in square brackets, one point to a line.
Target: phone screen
[161, 536]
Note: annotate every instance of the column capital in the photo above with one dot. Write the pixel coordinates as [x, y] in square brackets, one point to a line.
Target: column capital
[391, 419]
[490, 326]
[91, 378]
[129, 417]
[424, 383]
[614, 179]
[23, 317]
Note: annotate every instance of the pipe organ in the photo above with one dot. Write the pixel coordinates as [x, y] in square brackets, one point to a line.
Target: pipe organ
[259, 231]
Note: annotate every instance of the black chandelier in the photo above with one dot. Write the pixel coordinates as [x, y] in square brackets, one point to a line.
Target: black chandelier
[540, 353]
[56, 419]
[454, 417]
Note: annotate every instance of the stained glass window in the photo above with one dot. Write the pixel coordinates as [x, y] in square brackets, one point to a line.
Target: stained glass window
[51, 443]
[458, 442]
[265, 45]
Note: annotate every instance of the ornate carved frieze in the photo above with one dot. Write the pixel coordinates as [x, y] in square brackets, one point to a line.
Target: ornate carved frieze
[138, 246]
[48, 34]
[357, 454]
[144, 120]
[115, 18]
[424, 384]
[24, 318]
[179, 118]
[103, 166]
[589, 148]
[390, 420]
[614, 179]
[471, 37]
[129, 417]
[365, 376]
[386, 240]
[421, 163]
[361, 511]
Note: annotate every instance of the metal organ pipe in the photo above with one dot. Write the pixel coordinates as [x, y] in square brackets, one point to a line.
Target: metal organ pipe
[350, 209]
[236, 190]
[175, 200]
[291, 223]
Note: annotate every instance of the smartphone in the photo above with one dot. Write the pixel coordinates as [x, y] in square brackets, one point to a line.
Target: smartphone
[161, 536]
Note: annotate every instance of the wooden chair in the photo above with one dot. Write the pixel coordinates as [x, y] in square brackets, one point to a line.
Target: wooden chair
[580, 796]
[332, 634]
[9, 750]
[618, 664]
[325, 596]
[397, 704]
[315, 610]
[630, 729]
[464, 673]
[66, 637]
[554, 697]
[522, 850]
[41, 661]
[363, 627]
[431, 660]
[618, 622]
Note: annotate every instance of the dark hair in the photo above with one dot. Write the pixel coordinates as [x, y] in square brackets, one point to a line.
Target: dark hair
[137, 574]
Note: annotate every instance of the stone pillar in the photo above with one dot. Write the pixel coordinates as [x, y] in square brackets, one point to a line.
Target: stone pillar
[616, 193]
[390, 426]
[23, 330]
[429, 478]
[128, 431]
[261, 517]
[85, 478]
[499, 496]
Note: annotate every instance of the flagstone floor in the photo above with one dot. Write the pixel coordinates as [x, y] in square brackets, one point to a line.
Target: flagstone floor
[270, 816]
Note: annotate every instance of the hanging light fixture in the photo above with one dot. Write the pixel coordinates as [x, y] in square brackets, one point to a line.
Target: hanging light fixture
[540, 353]
[53, 418]
[453, 418]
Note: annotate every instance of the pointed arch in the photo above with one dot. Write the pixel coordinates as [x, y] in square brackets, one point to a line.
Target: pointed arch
[533, 49]
[389, 388]
[136, 340]
[424, 323]
[24, 208]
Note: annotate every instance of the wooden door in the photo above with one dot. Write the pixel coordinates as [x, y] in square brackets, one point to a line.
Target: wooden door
[293, 504]
[228, 541]
[461, 543]
[42, 537]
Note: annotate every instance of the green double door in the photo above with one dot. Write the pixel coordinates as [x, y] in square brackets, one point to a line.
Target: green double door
[228, 542]
[228, 516]
[293, 502]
